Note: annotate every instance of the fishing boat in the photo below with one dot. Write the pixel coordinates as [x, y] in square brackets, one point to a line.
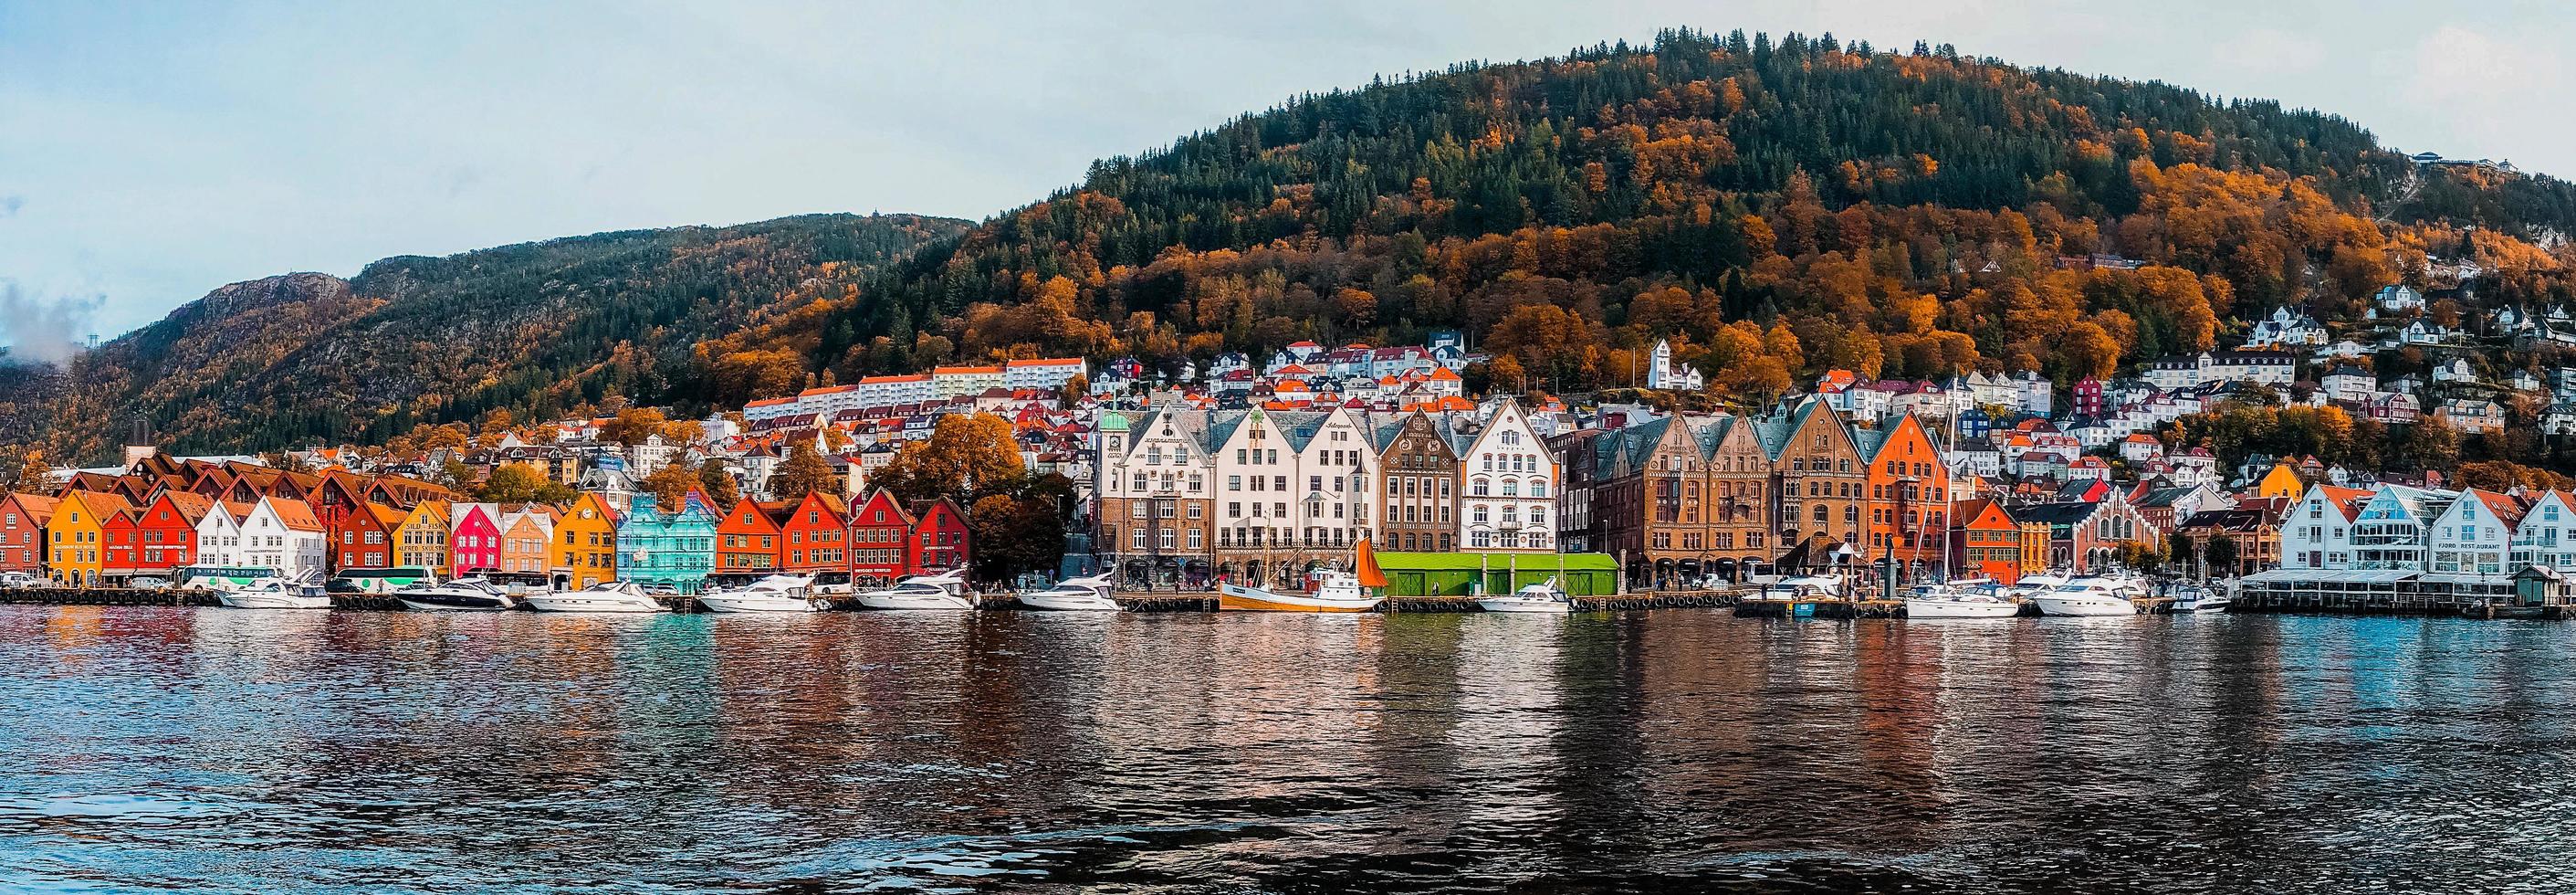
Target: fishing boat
[1541, 597]
[463, 593]
[1089, 593]
[775, 593]
[1350, 591]
[606, 596]
[945, 591]
[2089, 596]
[1953, 601]
[272, 594]
[1338, 592]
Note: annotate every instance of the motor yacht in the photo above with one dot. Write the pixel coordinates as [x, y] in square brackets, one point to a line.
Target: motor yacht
[1540, 597]
[468, 593]
[1089, 593]
[945, 591]
[2089, 596]
[606, 596]
[273, 594]
[776, 593]
[1953, 601]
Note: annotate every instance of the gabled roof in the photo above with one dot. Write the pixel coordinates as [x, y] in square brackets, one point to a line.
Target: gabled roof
[294, 514]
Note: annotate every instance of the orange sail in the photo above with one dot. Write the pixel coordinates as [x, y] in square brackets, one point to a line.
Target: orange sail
[1364, 564]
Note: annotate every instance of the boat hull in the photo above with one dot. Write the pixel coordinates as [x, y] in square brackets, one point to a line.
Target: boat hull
[1231, 598]
[1959, 609]
[1517, 604]
[444, 603]
[910, 602]
[564, 603]
[1068, 603]
[2085, 606]
[274, 601]
[747, 603]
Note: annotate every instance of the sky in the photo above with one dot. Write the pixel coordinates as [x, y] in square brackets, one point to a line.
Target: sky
[150, 152]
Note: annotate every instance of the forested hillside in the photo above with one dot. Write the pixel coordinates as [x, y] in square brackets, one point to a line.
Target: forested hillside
[539, 328]
[1779, 207]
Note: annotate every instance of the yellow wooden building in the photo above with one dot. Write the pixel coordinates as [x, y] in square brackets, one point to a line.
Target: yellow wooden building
[585, 551]
[420, 539]
[75, 537]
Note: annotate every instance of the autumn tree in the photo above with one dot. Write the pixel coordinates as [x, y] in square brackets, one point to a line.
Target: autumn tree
[803, 472]
[631, 426]
[717, 481]
[967, 455]
[668, 485]
[523, 483]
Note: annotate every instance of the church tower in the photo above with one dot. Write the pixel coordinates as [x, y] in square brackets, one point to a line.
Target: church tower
[138, 441]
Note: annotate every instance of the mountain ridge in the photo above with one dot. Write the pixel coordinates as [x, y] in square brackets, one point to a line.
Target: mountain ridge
[1774, 208]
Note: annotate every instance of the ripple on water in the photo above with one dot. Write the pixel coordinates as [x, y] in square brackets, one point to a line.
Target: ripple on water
[206, 750]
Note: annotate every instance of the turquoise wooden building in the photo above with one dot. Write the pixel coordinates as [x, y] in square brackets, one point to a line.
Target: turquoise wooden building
[674, 548]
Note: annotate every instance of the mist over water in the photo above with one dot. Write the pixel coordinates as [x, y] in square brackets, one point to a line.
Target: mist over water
[232, 751]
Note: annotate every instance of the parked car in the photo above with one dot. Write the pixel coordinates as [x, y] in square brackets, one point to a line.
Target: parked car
[22, 579]
[147, 581]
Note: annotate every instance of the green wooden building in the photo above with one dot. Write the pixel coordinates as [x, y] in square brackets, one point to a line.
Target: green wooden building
[1459, 574]
[674, 548]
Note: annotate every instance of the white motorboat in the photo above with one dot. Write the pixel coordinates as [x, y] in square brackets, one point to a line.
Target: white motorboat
[606, 596]
[776, 593]
[1951, 601]
[1340, 592]
[2089, 596]
[2033, 585]
[1089, 593]
[1541, 597]
[273, 594]
[1801, 588]
[2201, 599]
[469, 593]
[945, 591]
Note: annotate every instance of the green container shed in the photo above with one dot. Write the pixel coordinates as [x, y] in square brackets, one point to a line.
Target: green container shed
[1456, 574]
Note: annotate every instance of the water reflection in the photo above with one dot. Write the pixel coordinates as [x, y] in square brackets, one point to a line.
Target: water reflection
[216, 750]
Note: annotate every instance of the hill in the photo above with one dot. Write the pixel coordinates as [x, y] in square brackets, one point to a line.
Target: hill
[1778, 208]
[539, 328]
[1774, 208]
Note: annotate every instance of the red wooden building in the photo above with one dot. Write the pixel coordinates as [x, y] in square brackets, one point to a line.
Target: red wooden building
[22, 532]
[939, 538]
[816, 534]
[364, 536]
[881, 542]
[748, 537]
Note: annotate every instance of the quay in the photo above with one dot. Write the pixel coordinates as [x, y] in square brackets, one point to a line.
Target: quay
[1184, 601]
[1846, 609]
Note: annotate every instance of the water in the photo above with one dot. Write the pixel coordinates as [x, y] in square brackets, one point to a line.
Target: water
[237, 751]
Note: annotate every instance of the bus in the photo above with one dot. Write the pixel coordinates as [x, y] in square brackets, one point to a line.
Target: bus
[378, 581]
[222, 577]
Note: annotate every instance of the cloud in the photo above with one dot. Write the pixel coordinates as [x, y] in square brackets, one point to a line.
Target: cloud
[10, 204]
[2471, 71]
[45, 330]
[2271, 51]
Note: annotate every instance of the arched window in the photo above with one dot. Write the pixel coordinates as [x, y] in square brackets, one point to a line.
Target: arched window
[1479, 515]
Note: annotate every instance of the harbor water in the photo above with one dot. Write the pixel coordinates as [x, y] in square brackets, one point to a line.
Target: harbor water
[210, 750]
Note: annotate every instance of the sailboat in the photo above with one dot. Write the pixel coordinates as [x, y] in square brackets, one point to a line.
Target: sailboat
[1339, 592]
